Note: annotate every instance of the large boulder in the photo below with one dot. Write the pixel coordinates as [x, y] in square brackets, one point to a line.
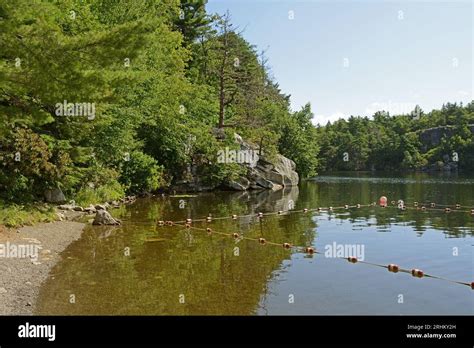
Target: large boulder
[261, 172]
[54, 195]
[241, 184]
[286, 168]
[271, 174]
[103, 217]
[262, 182]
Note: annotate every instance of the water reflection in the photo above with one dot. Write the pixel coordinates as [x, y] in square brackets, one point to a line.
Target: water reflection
[140, 268]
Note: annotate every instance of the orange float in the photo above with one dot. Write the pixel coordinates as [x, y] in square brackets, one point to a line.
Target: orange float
[417, 273]
[352, 259]
[393, 268]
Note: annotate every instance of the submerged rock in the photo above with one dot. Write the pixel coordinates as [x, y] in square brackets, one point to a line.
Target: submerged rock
[103, 217]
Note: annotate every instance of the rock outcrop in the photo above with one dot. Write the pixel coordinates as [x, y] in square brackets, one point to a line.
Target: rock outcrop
[261, 172]
[432, 137]
[103, 217]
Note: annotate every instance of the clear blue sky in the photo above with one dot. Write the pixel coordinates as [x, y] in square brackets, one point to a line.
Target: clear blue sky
[355, 57]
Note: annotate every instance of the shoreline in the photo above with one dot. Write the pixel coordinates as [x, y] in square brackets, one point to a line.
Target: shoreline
[22, 278]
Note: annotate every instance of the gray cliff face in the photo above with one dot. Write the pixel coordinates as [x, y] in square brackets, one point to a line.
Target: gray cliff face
[432, 137]
[261, 173]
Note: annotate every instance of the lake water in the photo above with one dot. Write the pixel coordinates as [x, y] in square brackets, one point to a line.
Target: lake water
[142, 268]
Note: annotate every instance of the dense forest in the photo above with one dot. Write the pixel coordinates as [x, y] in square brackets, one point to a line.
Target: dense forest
[162, 76]
[155, 86]
[437, 140]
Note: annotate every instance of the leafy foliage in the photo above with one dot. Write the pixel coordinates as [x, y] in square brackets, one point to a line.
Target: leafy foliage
[400, 142]
[163, 77]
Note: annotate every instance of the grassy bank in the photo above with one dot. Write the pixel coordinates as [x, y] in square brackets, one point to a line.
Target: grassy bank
[21, 215]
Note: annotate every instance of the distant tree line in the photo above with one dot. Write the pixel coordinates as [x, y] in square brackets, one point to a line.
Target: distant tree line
[385, 142]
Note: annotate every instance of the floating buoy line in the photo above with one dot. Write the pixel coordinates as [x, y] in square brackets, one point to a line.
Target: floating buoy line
[383, 203]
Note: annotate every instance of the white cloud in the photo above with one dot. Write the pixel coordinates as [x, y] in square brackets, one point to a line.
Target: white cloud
[464, 93]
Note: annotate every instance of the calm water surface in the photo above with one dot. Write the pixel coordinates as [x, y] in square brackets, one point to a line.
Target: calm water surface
[174, 271]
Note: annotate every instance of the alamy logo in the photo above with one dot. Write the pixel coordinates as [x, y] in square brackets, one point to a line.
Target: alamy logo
[37, 331]
[21, 251]
[238, 156]
[76, 109]
[344, 250]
